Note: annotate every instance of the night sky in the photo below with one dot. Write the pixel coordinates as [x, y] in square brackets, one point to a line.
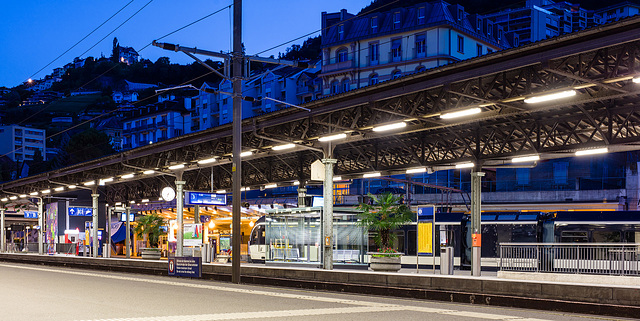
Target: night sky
[33, 33]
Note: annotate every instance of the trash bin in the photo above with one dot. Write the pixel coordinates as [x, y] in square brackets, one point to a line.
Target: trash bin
[106, 251]
[206, 258]
[446, 260]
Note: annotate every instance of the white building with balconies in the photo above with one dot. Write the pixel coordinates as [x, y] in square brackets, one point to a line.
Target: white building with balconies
[359, 51]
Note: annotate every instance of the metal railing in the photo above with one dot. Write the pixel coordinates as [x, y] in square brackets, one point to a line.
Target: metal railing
[576, 258]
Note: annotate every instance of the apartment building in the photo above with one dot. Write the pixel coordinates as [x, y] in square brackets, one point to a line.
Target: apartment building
[363, 50]
[21, 143]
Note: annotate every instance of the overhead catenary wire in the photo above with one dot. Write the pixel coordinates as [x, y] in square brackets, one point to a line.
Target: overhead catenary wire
[81, 40]
[116, 65]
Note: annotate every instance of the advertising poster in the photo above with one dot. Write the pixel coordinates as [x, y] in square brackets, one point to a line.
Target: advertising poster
[192, 235]
[51, 227]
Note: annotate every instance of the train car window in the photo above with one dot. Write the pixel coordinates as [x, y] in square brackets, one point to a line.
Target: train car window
[631, 236]
[411, 243]
[506, 217]
[606, 236]
[489, 240]
[527, 217]
[523, 233]
[574, 237]
[488, 217]
[400, 241]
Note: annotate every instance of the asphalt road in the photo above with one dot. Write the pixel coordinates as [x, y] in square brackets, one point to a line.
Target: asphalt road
[29, 292]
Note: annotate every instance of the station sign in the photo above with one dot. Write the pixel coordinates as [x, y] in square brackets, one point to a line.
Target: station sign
[198, 198]
[80, 211]
[426, 225]
[123, 217]
[190, 267]
[30, 214]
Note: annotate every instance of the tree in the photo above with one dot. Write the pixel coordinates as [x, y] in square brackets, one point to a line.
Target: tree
[87, 145]
[115, 51]
[386, 214]
[149, 227]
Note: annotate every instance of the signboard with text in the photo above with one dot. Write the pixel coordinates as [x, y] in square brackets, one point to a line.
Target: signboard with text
[30, 214]
[197, 198]
[192, 235]
[426, 220]
[80, 211]
[190, 267]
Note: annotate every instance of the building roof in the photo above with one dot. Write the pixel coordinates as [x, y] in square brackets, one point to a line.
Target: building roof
[437, 13]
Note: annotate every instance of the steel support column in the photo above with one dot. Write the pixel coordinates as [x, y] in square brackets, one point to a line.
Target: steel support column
[180, 215]
[127, 240]
[41, 229]
[476, 228]
[3, 239]
[236, 168]
[327, 213]
[94, 231]
[302, 194]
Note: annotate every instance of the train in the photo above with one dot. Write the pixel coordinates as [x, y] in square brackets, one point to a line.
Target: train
[454, 230]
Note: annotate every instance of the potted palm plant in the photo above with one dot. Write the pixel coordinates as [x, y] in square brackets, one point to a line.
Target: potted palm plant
[386, 214]
[149, 227]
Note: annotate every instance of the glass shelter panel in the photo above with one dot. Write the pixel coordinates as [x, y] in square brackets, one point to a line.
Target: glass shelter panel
[294, 236]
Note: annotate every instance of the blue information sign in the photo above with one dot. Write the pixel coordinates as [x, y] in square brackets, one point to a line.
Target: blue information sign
[190, 267]
[30, 214]
[80, 211]
[197, 198]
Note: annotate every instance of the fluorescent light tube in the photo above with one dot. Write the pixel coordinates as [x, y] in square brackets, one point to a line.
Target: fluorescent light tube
[462, 113]
[285, 146]
[369, 175]
[525, 159]
[416, 170]
[592, 151]
[465, 165]
[390, 127]
[554, 96]
[332, 137]
[177, 166]
[207, 161]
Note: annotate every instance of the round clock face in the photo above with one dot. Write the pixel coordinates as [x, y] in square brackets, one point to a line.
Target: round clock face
[168, 194]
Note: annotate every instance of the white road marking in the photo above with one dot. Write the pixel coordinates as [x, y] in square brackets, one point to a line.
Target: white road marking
[362, 306]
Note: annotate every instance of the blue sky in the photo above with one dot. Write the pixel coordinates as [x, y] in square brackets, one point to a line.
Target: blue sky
[33, 33]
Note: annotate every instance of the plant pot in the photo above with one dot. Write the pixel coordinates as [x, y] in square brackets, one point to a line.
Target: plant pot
[151, 254]
[385, 263]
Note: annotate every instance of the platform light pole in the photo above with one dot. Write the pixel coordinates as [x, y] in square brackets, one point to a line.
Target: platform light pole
[237, 140]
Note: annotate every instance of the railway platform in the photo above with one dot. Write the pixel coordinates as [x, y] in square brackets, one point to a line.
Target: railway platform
[575, 294]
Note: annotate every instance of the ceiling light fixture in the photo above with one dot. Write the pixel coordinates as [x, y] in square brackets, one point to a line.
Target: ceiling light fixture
[127, 176]
[271, 186]
[524, 159]
[369, 175]
[465, 165]
[416, 170]
[221, 191]
[59, 189]
[72, 186]
[177, 166]
[23, 196]
[636, 80]
[296, 182]
[282, 147]
[462, 113]
[148, 172]
[33, 193]
[247, 153]
[592, 151]
[332, 137]
[390, 127]
[554, 96]
[207, 161]
[46, 191]
[89, 183]
[13, 198]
